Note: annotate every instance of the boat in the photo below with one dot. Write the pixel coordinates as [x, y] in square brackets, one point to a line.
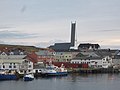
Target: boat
[52, 70]
[28, 77]
[8, 76]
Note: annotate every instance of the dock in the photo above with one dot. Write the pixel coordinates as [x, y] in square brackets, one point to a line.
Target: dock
[93, 70]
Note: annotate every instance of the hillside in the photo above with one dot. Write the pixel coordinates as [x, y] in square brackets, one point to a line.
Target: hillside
[26, 48]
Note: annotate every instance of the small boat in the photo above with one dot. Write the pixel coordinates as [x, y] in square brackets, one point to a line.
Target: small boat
[28, 77]
[52, 70]
[8, 76]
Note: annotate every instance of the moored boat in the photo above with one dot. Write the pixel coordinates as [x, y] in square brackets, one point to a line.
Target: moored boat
[28, 77]
[52, 70]
[8, 76]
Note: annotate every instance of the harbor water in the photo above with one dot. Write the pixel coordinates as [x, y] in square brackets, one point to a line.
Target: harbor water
[70, 82]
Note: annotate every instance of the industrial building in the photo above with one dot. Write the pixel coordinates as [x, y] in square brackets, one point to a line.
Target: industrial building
[66, 46]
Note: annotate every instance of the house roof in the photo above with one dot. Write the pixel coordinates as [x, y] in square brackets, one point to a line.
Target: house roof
[61, 46]
[87, 57]
[88, 45]
[105, 52]
[97, 54]
[15, 51]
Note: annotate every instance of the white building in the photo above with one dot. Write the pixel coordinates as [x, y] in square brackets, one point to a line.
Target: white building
[93, 60]
[15, 60]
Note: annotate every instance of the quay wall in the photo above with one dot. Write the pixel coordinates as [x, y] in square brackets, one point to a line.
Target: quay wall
[70, 65]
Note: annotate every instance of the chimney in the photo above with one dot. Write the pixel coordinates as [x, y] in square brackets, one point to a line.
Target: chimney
[73, 26]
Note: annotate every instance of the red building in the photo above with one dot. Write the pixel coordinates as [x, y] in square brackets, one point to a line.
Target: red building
[70, 65]
[43, 55]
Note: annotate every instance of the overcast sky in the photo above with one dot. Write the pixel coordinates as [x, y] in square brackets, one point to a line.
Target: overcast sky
[44, 22]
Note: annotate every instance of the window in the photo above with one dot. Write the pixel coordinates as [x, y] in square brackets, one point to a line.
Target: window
[10, 66]
[30, 66]
[90, 56]
[14, 66]
[99, 65]
[26, 61]
[3, 66]
[88, 62]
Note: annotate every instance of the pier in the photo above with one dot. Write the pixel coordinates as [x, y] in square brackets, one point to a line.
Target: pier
[90, 70]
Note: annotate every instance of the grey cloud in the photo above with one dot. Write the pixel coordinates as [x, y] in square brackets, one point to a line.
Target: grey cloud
[5, 27]
[109, 30]
[15, 34]
[2, 42]
[47, 44]
[111, 46]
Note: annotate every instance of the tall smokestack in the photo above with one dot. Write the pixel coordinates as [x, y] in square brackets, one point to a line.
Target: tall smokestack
[73, 26]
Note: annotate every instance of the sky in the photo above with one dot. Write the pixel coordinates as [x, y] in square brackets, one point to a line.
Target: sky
[44, 22]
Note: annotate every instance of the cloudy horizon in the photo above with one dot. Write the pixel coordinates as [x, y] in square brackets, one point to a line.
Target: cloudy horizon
[44, 22]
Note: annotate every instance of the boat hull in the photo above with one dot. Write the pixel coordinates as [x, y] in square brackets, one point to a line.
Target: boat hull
[8, 77]
[55, 74]
[28, 79]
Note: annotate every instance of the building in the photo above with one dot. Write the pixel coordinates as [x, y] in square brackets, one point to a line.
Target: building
[116, 59]
[43, 55]
[95, 59]
[65, 56]
[26, 66]
[88, 46]
[13, 59]
[94, 62]
[66, 46]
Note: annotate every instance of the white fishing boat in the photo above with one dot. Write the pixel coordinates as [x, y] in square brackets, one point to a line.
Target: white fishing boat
[28, 77]
[52, 70]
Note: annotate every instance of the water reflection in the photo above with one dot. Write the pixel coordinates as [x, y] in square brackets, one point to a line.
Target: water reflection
[70, 82]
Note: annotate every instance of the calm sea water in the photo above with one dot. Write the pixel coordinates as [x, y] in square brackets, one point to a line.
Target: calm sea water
[70, 82]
